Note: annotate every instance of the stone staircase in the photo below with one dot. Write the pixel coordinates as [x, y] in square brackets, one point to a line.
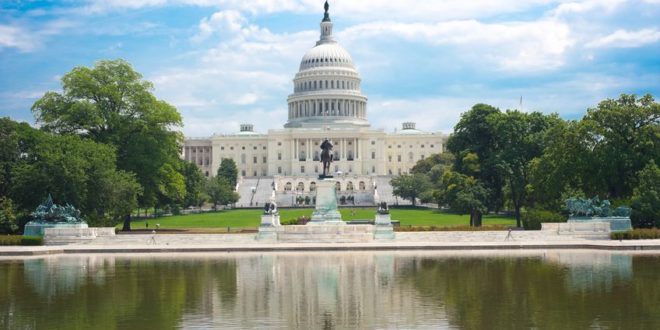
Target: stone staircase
[261, 194]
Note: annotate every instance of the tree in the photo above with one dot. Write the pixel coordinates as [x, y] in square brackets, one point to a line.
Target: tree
[464, 194]
[623, 135]
[194, 180]
[519, 139]
[72, 169]
[474, 137]
[410, 186]
[120, 196]
[646, 198]
[7, 216]
[228, 171]
[220, 192]
[112, 104]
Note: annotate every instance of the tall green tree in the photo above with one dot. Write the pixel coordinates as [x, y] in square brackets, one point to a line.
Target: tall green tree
[519, 138]
[410, 186]
[624, 135]
[111, 104]
[464, 194]
[475, 137]
[646, 198]
[71, 169]
[194, 180]
[228, 171]
[7, 216]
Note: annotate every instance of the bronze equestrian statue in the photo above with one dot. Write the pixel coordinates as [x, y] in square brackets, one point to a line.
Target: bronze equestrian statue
[326, 158]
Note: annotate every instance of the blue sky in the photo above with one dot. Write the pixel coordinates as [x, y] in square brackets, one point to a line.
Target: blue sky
[226, 62]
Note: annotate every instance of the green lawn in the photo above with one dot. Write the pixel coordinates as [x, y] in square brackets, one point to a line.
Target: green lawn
[250, 218]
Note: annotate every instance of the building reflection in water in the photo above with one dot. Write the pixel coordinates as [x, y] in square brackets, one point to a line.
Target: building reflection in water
[496, 289]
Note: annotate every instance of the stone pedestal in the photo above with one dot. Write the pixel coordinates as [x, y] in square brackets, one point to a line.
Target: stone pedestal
[383, 227]
[33, 228]
[616, 224]
[326, 212]
[269, 227]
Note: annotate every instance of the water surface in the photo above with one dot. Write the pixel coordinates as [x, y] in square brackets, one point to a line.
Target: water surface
[366, 290]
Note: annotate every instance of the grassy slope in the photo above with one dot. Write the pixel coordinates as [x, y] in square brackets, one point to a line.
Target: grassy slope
[251, 218]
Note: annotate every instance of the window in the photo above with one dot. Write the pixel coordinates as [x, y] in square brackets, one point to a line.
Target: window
[254, 160]
[265, 159]
[232, 148]
[422, 157]
[316, 169]
[411, 156]
[338, 186]
[264, 148]
[349, 186]
[312, 186]
[399, 146]
[279, 144]
[373, 143]
[222, 148]
[255, 148]
[243, 148]
[373, 169]
[288, 186]
[302, 169]
[243, 172]
[301, 186]
[389, 158]
[389, 147]
[255, 173]
[207, 174]
[243, 160]
[279, 170]
[373, 155]
[398, 158]
[279, 156]
[422, 146]
[363, 186]
[432, 146]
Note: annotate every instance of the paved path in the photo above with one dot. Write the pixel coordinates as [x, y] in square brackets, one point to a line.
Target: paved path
[405, 241]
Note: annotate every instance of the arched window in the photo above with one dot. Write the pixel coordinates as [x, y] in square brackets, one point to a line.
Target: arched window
[350, 155]
[288, 186]
[302, 156]
[338, 186]
[363, 186]
[312, 186]
[349, 186]
[301, 186]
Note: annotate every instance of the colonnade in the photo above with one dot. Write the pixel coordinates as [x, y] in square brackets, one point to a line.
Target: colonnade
[328, 108]
[345, 146]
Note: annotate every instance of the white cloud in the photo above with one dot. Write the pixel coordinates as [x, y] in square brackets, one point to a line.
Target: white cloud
[536, 45]
[581, 7]
[626, 39]
[15, 37]
[227, 22]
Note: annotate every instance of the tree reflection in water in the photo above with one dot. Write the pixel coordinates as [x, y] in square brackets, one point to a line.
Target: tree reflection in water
[482, 290]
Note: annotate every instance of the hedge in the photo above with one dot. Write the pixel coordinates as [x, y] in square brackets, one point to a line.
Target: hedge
[653, 233]
[21, 240]
[532, 219]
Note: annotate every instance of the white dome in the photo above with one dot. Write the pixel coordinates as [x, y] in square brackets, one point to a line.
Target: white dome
[327, 54]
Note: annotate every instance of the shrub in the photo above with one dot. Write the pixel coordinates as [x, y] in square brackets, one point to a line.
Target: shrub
[450, 228]
[653, 233]
[21, 240]
[32, 240]
[10, 240]
[532, 219]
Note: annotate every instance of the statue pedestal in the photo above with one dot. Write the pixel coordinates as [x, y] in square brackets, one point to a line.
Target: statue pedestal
[326, 212]
[269, 227]
[383, 227]
[33, 228]
[616, 224]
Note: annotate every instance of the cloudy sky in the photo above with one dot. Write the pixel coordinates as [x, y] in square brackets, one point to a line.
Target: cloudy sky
[226, 62]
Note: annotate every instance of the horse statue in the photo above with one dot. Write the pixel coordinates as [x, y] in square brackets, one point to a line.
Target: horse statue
[326, 157]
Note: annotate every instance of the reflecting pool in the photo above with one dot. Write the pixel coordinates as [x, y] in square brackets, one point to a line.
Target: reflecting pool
[365, 290]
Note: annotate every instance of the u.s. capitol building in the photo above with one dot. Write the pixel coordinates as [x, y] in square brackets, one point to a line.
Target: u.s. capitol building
[327, 103]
